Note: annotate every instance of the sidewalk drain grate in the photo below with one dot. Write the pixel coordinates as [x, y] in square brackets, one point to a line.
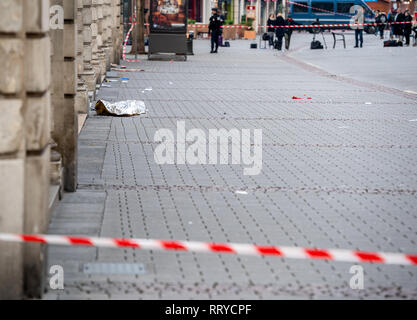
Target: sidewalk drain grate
[114, 268]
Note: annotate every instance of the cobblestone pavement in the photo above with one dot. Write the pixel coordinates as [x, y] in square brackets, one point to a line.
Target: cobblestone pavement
[339, 171]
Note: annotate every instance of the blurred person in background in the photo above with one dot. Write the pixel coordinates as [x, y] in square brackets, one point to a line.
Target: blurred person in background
[215, 29]
[407, 27]
[288, 32]
[399, 26]
[414, 28]
[391, 19]
[271, 28]
[381, 19]
[280, 30]
[376, 13]
[359, 20]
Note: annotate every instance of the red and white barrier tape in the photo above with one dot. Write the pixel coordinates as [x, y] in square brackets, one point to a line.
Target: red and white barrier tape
[239, 249]
[135, 23]
[238, 26]
[308, 25]
[341, 25]
[327, 25]
[125, 45]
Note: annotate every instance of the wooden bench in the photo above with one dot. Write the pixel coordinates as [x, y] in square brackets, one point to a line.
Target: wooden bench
[341, 38]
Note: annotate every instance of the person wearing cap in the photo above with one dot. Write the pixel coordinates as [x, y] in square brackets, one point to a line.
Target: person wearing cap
[215, 26]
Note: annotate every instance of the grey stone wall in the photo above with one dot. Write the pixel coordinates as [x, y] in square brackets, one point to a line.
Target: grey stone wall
[49, 75]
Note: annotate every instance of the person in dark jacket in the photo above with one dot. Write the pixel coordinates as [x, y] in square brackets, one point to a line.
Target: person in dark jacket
[377, 13]
[381, 19]
[391, 18]
[215, 26]
[414, 28]
[407, 27]
[399, 28]
[271, 28]
[288, 32]
[280, 30]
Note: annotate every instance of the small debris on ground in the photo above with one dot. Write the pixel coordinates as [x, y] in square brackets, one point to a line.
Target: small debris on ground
[299, 98]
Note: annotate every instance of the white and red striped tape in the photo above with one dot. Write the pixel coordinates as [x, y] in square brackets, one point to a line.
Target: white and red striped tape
[318, 25]
[340, 25]
[238, 26]
[125, 45]
[239, 249]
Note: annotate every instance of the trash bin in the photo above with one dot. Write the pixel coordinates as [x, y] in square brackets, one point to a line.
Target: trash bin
[190, 46]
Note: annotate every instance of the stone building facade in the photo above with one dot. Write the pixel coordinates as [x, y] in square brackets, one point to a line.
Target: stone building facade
[54, 54]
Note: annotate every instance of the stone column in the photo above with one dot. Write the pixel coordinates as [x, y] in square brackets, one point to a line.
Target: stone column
[37, 127]
[12, 154]
[101, 39]
[108, 32]
[64, 90]
[117, 31]
[81, 100]
[113, 30]
[24, 142]
[57, 95]
[95, 61]
[121, 30]
[70, 91]
[110, 21]
[88, 74]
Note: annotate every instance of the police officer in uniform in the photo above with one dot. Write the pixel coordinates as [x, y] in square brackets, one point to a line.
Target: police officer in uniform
[215, 25]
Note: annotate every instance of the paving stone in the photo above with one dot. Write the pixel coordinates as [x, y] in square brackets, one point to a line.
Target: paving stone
[337, 173]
